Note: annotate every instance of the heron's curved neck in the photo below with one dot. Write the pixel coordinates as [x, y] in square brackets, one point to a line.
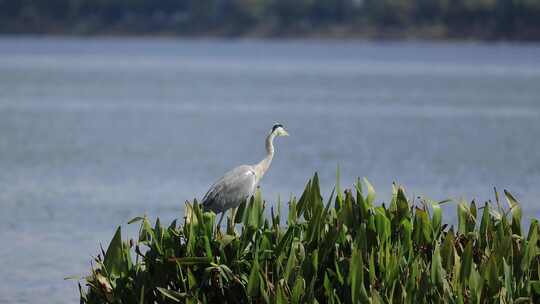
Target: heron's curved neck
[263, 165]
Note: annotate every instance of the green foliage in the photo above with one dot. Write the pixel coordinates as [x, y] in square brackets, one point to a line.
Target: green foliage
[345, 250]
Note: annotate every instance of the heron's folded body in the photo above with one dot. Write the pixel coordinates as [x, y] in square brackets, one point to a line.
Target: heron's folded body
[235, 186]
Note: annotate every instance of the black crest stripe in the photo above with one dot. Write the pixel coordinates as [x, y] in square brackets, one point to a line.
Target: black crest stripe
[276, 126]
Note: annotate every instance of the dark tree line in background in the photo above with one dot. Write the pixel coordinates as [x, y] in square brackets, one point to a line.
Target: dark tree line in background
[518, 19]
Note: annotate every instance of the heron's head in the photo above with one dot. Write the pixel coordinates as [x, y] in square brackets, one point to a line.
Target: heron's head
[279, 130]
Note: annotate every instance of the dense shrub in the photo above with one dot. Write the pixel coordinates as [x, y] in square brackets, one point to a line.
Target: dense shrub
[343, 250]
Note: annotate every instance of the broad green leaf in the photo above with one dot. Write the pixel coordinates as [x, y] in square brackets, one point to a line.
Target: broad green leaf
[403, 207]
[339, 197]
[253, 282]
[301, 206]
[382, 223]
[372, 274]
[467, 264]
[437, 271]
[531, 248]
[491, 273]
[298, 290]
[192, 281]
[328, 288]
[370, 192]
[485, 226]
[475, 284]
[114, 257]
[508, 279]
[407, 238]
[436, 219]
[281, 298]
[515, 209]
[356, 278]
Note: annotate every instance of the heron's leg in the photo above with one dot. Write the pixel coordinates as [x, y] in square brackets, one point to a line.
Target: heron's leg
[218, 227]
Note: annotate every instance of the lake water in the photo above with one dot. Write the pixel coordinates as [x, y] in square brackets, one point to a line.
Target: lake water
[94, 132]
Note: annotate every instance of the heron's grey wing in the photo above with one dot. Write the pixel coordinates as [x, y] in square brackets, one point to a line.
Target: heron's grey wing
[231, 190]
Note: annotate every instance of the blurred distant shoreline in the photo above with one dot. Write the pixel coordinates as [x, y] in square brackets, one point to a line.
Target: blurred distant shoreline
[435, 33]
[494, 20]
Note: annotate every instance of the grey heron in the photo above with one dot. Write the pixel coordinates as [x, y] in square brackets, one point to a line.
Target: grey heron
[240, 183]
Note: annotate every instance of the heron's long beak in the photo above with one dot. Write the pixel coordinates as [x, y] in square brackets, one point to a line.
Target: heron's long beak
[285, 133]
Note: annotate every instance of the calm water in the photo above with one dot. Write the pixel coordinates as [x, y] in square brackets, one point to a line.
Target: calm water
[95, 132]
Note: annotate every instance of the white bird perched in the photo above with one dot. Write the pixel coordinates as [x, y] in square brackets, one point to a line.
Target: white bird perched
[240, 183]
